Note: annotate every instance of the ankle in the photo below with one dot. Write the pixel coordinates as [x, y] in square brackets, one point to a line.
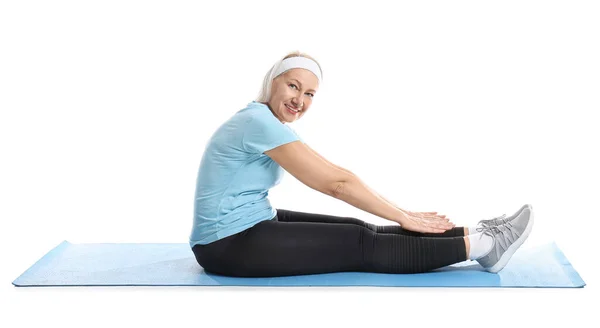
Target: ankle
[479, 245]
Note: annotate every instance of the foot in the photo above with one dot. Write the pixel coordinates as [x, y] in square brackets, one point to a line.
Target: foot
[501, 219]
[508, 238]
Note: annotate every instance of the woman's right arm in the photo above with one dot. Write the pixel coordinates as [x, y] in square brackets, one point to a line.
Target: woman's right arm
[356, 193]
[318, 173]
[351, 173]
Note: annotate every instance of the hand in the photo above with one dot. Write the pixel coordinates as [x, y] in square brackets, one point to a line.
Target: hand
[425, 222]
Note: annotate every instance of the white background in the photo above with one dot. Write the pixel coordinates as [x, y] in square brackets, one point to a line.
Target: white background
[468, 108]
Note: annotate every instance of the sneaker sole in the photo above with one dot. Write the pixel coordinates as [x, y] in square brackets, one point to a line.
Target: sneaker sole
[512, 248]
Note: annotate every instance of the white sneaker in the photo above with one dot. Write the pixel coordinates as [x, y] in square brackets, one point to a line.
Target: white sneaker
[508, 238]
[501, 219]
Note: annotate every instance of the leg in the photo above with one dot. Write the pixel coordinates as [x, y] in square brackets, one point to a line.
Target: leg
[273, 248]
[295, 216]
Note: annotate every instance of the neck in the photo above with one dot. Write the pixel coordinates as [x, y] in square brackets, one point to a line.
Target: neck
[272, 112]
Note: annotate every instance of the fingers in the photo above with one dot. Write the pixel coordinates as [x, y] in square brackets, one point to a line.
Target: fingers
[441, 224]
[437, 222]
[433, 214]
[428, 223]
[436, 227]
[437, 219]
[442, 217]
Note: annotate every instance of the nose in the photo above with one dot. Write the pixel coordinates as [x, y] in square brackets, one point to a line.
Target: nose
[297, 102]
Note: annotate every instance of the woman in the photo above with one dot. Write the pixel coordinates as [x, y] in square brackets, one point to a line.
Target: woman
[237, 232]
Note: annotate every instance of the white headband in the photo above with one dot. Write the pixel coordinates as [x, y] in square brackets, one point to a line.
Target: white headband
[299, 62]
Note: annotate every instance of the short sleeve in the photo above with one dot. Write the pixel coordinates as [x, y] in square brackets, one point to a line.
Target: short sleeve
[264, 132]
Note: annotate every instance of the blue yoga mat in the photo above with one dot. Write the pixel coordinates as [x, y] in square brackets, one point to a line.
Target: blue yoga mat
[156, 264]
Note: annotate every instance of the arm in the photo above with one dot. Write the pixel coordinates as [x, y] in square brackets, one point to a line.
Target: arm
[316, 172]
[309, 168]
[356, 193]
[352, 174]
[319, 174]
[363, 196]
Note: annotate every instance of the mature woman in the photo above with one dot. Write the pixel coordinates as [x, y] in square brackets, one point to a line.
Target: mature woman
[236, 231]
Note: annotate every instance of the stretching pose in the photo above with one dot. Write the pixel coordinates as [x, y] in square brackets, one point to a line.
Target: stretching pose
[236, 231]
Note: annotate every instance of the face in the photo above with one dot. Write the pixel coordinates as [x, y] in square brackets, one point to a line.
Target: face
[293, 89]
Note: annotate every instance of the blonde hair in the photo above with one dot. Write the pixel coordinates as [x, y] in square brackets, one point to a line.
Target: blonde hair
[265, 92]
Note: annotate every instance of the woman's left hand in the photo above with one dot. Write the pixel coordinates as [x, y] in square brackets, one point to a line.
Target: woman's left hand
[428, 222]
[427, 215]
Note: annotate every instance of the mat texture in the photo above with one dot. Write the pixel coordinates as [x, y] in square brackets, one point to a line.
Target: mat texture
[173, 264]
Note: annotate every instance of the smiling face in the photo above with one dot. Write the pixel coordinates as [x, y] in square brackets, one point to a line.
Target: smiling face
[293, 89]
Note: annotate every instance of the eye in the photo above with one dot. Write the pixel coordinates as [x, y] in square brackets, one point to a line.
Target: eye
[311, 94]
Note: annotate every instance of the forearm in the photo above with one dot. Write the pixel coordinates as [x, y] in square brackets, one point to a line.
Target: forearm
[356, 193]
[373, 191]
[389, 202]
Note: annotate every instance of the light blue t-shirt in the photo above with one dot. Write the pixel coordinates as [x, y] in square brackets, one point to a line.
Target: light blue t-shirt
[235, 176]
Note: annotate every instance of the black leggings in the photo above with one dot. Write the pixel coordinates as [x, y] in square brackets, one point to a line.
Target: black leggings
[296, 243]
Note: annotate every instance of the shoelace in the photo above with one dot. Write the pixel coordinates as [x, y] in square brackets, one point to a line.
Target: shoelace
[503, 230]
[490, 221]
